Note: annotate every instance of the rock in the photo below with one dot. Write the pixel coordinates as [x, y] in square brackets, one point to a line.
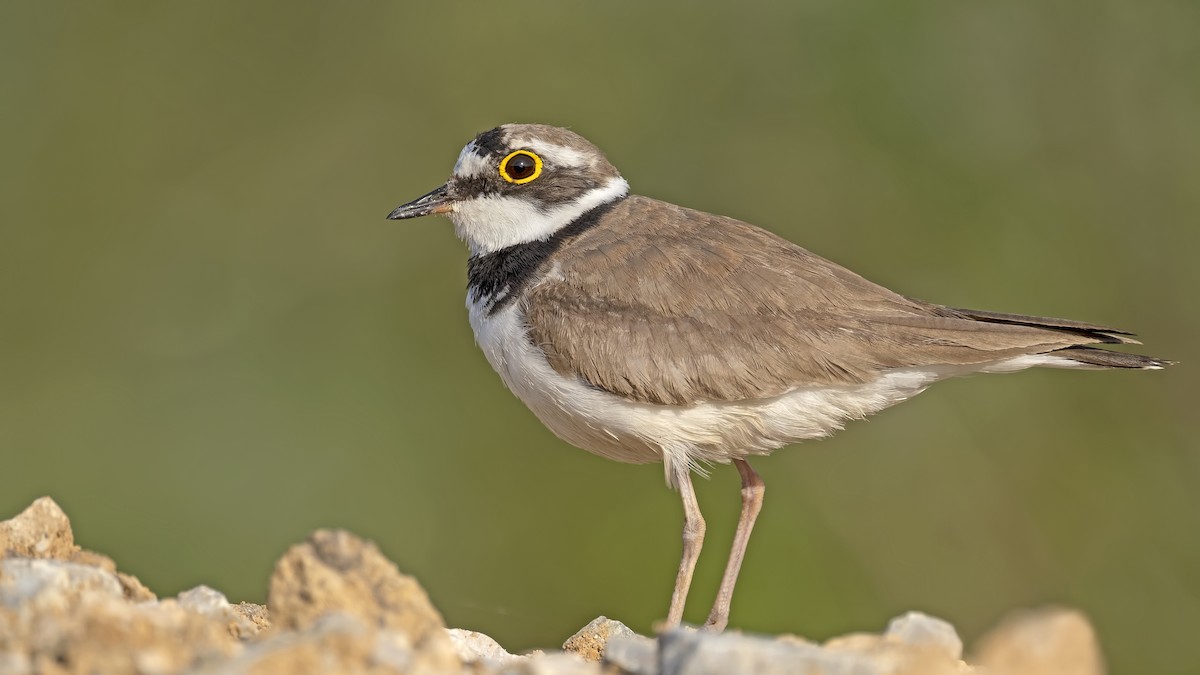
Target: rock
[242, 621]
[40, 531]
[256, 616]
[26, 583]
[632, 654]
[1041, 642]
[336, 572]
[554, 663]
[475, 647]
[337, 605]
[589, 641]
[43, 531]
[684, 650]
[335, 643]
[67, 610]
[133, 589]
[12, 663]
[614, 644]
[921, 630]
[914, 644]
[66, 617]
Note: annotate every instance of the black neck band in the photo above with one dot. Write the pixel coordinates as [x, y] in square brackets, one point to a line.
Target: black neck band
[500, 276]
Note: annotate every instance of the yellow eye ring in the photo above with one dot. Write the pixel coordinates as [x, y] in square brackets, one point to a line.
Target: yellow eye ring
[520, 166]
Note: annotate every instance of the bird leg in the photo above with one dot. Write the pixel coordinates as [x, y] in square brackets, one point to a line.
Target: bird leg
[693, 539]
[752, 498]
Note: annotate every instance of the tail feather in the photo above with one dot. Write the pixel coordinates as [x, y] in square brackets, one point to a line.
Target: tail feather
[1076, 355]
[1103, 358]
[1100, 333]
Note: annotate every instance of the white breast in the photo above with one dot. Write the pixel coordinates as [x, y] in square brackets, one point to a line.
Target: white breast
[682, 437]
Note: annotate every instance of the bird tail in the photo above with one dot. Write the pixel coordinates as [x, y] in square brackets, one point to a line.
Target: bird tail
[1078, 356]
[1093, 357]
[1097, 332]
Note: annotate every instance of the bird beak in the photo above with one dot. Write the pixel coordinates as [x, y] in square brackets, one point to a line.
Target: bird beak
[438, 201]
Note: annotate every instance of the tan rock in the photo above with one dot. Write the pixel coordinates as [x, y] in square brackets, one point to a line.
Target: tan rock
[337, 643]
[40, 531]
[1041, 642]
[335, 572]
[555, 663]
[254, 615]
[589, 642]
[337, 605]
[43, 531]
[135, 591]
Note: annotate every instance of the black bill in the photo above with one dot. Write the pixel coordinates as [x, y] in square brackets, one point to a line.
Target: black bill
[438, 201]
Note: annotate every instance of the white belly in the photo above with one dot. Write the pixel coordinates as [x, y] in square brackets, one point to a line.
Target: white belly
[680, 436]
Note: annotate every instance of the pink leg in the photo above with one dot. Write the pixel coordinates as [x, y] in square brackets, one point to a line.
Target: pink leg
[693, 539]
[752, 498]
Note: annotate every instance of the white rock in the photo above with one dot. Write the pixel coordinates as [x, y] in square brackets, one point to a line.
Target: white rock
[688, 652]
[922, 630]
[632, 654]
[474, 647]
[205, 600]
[24, 581]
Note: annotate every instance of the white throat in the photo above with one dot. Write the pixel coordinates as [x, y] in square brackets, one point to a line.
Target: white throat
[494, 222]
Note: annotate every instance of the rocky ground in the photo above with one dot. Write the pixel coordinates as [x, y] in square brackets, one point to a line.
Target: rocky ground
[335, 604]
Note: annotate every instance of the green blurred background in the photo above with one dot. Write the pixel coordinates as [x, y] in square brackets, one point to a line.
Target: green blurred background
[211, 342]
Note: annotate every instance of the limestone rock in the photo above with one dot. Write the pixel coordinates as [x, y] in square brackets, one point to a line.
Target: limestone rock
[242, 620]
[475, 647]
[554, 663]
[1041, 642]
[26, 582]
[589, 642]
[336, 572]
[334, 643]
[65, 617]
[924, 631]
[40, 531]
[915, 644]
[256, 616]
[337, 605]
[633, 654]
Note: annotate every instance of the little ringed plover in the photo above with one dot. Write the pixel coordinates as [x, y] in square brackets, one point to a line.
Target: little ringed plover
[643, 331]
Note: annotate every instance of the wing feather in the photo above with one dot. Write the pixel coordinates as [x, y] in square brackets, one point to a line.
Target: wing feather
[652, 315]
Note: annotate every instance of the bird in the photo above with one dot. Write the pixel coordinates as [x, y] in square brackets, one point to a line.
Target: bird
[642, 331]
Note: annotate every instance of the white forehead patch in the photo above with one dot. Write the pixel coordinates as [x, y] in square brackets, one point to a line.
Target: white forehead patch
[470, 164]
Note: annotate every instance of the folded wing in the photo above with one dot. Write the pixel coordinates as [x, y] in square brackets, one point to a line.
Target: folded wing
[691, 307]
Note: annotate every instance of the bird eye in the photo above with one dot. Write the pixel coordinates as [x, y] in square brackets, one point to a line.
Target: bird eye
[521, 166]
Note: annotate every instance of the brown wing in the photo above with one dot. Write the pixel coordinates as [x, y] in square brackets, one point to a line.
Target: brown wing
[686, 307]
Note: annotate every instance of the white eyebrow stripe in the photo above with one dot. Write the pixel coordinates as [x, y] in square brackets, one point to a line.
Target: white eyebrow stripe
[552, 153]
